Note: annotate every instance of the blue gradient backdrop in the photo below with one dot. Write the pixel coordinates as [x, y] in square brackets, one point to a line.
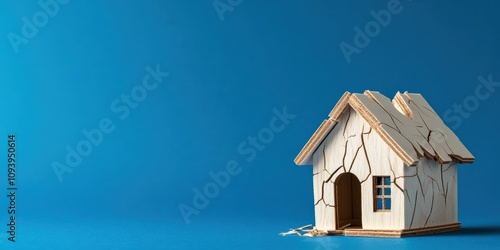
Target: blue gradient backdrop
[226, 77]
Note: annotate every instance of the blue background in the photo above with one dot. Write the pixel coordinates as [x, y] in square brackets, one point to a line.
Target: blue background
[226, 77]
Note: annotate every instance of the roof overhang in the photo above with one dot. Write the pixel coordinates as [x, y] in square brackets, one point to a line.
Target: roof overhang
[305, 155]
[407, 124]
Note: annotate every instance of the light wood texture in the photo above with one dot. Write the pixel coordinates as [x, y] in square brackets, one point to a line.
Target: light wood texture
[305, 155]
[401, 233]
[340, 107]
[441, 137]
[353, 147]
[402, 123]
[431, 194]
[368, 135]
[379, 119]
[408, 125]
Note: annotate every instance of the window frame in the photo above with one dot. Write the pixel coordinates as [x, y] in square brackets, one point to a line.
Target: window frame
[386, 199]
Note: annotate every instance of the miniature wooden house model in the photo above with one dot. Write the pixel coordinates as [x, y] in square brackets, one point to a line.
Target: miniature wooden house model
[384, 168]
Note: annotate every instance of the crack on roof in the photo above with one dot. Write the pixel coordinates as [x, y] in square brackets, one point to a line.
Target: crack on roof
[396, 129]
[402, 135]
[435, 155]
[386, 111]
[413, 102]
[432, 111]
[446, 141]
[433, 139]
[422, 119]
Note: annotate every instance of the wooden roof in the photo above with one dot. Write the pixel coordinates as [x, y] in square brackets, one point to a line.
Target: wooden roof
[408, 125]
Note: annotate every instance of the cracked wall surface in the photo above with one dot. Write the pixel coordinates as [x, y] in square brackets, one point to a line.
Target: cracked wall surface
[353, 147]
[370, 135]
[431, 194]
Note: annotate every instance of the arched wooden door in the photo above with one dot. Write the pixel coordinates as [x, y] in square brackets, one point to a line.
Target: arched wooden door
[348, 201]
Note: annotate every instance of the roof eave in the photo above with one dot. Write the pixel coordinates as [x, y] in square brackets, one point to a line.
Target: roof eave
[305, 156]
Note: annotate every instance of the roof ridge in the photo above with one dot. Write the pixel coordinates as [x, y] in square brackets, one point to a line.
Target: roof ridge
[417, 130]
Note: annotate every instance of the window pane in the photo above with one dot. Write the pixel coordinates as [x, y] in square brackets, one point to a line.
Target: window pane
[379, 203]
[388, 203]
[387, 180]
[379, 191]
[387, 191]
[378, 180]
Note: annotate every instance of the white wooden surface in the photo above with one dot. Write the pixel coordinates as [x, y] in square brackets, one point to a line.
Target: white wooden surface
[344, 151]
[376, 137]
[432, 194]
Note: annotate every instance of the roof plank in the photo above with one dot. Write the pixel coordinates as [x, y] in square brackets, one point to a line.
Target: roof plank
[441, 133]
[408, 125]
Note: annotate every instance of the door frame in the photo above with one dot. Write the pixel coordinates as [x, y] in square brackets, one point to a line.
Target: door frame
[353, 181]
